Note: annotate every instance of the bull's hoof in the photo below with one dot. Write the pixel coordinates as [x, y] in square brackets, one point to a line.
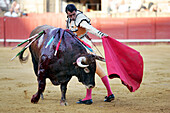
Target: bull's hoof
[35, 98]
[63, 103]
[87, 102]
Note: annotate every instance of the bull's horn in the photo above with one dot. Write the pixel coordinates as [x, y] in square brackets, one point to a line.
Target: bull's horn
[80, 60]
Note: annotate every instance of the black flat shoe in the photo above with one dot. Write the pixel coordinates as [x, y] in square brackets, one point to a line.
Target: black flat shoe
[109, 98]
[88, 102]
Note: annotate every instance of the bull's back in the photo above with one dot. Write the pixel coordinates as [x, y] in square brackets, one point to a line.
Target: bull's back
[39, 29]
[68, 47]
[35, 49]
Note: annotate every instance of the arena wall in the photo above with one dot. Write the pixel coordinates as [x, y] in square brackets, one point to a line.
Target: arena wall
[2, 36]
[149, 29]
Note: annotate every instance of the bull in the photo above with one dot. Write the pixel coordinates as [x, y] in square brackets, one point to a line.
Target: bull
[72, 59]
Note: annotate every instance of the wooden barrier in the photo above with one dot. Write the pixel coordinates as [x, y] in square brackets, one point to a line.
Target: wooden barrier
[2, 33]
[123, 29]
[141, 28]
[1, 28]
[162, 28]
[20, 28]
[17, 28]
[114, 27]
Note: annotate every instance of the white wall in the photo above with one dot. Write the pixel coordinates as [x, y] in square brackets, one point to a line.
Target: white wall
[32, 6]
[105, 4]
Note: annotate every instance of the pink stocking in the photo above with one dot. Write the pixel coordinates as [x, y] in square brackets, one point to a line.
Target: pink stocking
[107, 85]
[88, 95]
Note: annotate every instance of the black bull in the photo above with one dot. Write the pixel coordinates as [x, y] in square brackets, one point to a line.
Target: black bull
[72, 59]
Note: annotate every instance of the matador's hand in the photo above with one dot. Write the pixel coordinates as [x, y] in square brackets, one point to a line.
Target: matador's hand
[101, 34]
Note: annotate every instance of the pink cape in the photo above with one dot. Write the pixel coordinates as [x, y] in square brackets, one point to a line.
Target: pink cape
[123, 62]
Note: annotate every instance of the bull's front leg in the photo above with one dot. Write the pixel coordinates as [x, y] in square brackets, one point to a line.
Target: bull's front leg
[41, 86]
[63, 88]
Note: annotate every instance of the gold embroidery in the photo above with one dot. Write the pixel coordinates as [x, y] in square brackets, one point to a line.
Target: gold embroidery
[79, 31]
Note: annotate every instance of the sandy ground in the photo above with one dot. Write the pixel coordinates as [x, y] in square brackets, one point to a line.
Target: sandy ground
[18, 84]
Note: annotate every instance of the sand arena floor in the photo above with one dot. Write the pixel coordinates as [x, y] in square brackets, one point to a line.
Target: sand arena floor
[18, 84]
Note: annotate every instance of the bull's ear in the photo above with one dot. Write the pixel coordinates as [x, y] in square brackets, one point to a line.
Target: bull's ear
[100, 58]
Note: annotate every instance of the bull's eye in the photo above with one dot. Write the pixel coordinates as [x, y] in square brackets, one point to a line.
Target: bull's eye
[86, 70]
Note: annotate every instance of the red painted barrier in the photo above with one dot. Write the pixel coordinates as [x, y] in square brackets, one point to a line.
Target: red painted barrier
[114, 27]
[163, 28]
[20, 28]
[1, 28]
[2, 40]
[17, 28]
[141, 28]
[118, 28]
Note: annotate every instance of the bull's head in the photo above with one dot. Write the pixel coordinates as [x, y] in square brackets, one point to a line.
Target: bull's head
[87, 68]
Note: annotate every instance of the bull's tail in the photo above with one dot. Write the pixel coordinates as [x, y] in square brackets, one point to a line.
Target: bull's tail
[31, 39]
[23, 59]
